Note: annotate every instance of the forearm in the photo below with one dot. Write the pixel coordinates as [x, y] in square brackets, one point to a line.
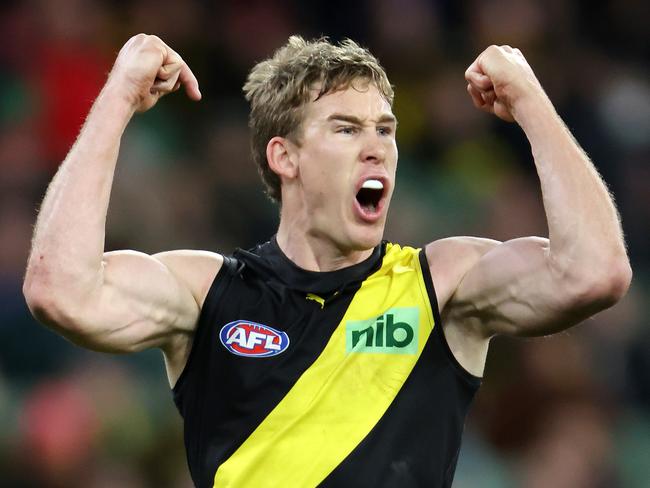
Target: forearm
[584, 227]
[68, 242]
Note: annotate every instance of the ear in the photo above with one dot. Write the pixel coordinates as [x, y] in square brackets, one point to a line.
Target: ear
[280, 156]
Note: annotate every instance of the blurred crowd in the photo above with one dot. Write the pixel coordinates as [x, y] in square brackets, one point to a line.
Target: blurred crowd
[569, 411]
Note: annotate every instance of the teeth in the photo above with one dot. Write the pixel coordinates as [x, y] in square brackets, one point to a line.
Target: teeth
[373, 185]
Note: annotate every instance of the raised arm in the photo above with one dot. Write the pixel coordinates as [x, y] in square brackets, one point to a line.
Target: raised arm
[536, 286]
[119, 301]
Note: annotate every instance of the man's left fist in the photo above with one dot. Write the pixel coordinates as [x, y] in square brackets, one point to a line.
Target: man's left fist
[499, 78]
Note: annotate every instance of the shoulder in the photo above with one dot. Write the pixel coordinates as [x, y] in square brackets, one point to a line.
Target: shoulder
[450, 258]
[468, 247]
[193, 268]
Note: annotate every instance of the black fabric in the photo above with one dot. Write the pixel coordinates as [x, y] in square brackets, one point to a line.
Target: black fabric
[223, 397]
[270, 262]
[417, 441]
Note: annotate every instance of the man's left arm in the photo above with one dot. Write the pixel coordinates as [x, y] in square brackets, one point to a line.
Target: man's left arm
[534, 286]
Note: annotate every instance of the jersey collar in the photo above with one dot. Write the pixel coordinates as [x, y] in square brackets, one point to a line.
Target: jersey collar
[268, 259]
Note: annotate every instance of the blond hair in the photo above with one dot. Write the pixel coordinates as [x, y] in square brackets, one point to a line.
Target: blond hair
[279, 87]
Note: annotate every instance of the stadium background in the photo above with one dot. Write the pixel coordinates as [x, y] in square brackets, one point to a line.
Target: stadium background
[568, 411]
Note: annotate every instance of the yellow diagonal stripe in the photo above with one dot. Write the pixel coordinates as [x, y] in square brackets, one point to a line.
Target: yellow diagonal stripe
[340, 398]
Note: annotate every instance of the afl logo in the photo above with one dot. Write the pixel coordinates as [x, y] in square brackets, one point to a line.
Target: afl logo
[251, 339]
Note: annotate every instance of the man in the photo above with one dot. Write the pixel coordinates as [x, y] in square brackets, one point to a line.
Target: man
[320, 357]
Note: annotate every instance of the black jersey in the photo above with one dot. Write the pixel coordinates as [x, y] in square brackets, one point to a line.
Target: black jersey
[336, 379]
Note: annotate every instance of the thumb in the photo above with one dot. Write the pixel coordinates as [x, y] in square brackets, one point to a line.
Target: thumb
[190, 82]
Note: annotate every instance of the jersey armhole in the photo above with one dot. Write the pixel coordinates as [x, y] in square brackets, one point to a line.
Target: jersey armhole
[228, 269]
[438, 330]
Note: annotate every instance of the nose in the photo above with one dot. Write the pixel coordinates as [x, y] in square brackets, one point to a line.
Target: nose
[374, 149]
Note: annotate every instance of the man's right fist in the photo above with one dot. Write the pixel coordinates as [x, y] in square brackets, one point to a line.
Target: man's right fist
[146, 69]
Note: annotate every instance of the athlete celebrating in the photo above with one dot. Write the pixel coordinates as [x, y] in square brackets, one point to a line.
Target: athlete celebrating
[320, 357]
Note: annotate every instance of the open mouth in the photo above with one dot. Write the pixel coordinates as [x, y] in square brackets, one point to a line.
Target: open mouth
[370, 196]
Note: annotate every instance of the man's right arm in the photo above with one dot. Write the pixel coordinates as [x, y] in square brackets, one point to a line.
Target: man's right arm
[120, 301]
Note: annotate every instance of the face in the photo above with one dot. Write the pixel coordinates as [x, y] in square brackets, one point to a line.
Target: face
[346, 162]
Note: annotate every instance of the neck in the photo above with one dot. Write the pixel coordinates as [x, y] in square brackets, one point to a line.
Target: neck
[315, 252]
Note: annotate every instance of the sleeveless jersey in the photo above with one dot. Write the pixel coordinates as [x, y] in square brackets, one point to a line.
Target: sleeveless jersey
[336, 379]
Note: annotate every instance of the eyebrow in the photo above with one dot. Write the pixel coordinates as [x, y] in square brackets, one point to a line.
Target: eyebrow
[386, 118]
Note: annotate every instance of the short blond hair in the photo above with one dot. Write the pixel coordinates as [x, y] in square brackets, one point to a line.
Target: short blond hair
[279, 87]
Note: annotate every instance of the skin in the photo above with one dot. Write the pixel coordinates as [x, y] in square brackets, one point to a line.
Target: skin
[127, 301]
[347, 136]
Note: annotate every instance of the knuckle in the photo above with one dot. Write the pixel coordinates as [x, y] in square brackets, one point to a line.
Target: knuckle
[153, 42]
[149, 41]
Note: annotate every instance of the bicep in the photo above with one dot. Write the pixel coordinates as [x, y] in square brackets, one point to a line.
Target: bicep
[515, 289]
[141, 303]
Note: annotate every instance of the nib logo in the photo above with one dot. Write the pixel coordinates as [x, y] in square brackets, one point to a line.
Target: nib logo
[394, 332]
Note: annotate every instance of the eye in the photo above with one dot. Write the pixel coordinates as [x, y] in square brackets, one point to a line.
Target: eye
[384, 131]
[348, 129]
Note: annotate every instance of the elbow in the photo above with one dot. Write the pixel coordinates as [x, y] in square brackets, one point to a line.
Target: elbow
[601, 286]
[36, 295]
[48, 306]
[38, 291]
[621, 279]
[42, 301]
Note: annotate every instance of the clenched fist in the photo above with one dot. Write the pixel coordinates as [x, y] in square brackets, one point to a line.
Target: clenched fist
[147, 69]
[499, 78]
